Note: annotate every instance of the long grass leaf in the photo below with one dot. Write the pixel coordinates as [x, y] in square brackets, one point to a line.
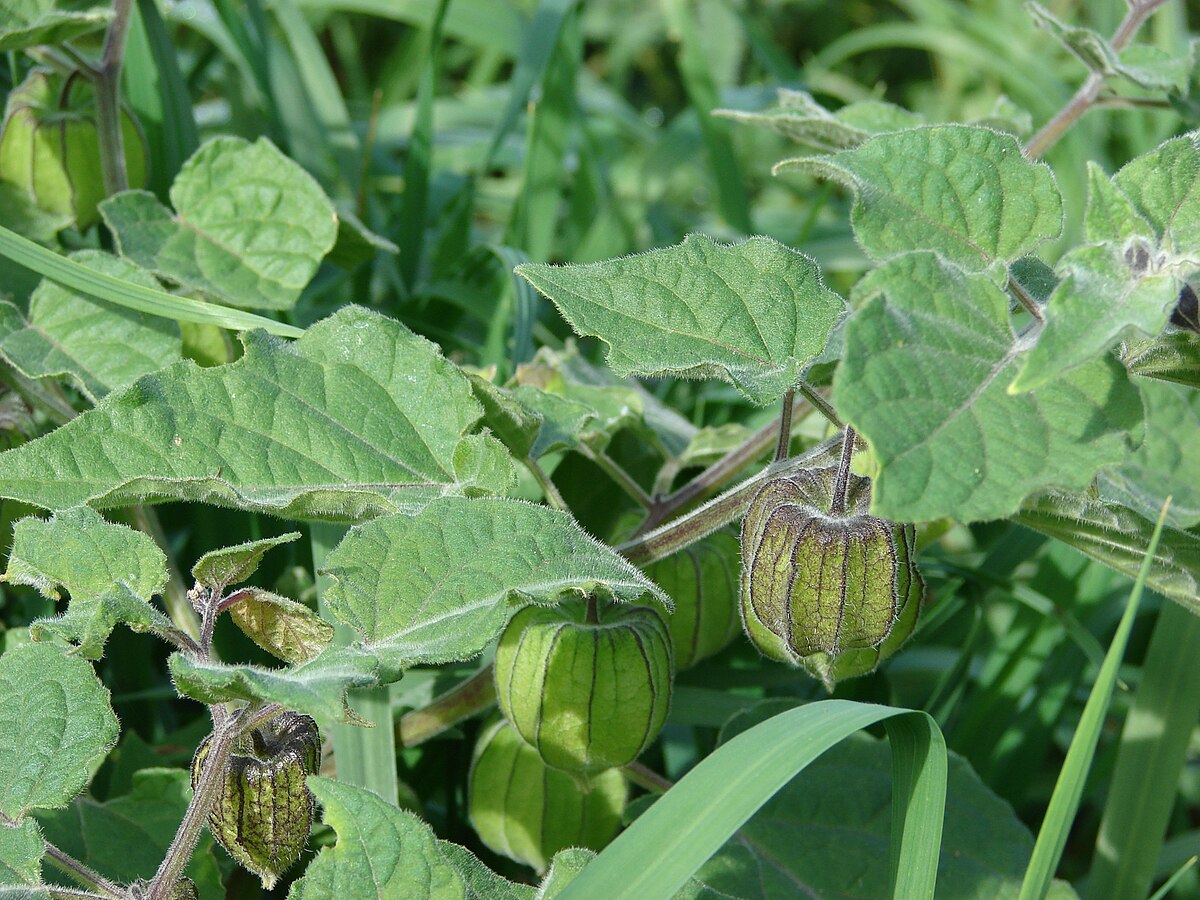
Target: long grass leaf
[1068, 791]
[106, 287]
[656, 855]
[1150, 758]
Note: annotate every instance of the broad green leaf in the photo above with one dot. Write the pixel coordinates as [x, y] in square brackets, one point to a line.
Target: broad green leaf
[1164, 187]
[1171, 357]
[56, 726]
[21, 850]
[1167, 463]
[1101, 299]
[1118, 537]
[381, 851]
[841, 803]
[328, 427]
[218, 569]
[964, 192]
[127, 837]
[28, 23]
[317, 688]
[110, 571]
[481, 882]
[99, 346]
[1111, 215]
[516, 425]
[439, 585]
[250, 225]
[797, 115]
[283, 627]
[929, 354]
[574, 413]
[753, 313]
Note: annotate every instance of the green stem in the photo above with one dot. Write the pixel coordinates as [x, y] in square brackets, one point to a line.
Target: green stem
[108, 100]
[809, 393]
[175, 597]
[647, 778]
[457, 705]
[719, 511]
[841, 487]
[1025, 299]
[618, 474]
[1085, 98]
[82, 873]
[717, 475]
[549, 489]
[785, 426]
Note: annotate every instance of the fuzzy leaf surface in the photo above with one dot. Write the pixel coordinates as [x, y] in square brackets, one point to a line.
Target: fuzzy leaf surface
[1118, 536]
[283, 627]
[98, 345]
[1167, 462]
[381, 851]
[21, 850]
[358, 417]
[1164, 187]
[964, 192]
[56, 726]
[753, 313]
[317, 688]
[929, 355]
[1173, 357]
[797, 115]
[439, 586]
[218, 569]
[110, 571]
[250, 225]
[28, 23]
[1100, 299]
[126, 837]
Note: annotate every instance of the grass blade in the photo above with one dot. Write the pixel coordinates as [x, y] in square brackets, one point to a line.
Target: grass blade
[656, 855]
[1064, 803]
[1151, 756]
[157, 303]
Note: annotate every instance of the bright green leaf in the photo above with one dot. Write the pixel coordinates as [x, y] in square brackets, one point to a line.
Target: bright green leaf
[21, 850]
[100, 346]
[28, 23]
[56, 726]
[250, 225]
[1171, 357]
[439, 586]
[283, 627]
[480, 881]
[381, 851]
[964, 192]
[1164, 187]
[1111, 215]
[110, 571]
[218, 569]
[1118, 537]
[328, 427]
[928, 358]
[797, 115]
[126, 837]
[753, 313]
[1167, 463]
[1104, 295]
[515, 425]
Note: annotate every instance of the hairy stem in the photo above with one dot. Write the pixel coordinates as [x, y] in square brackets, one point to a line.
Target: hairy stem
[820, 404]
[645, 777]
[719, 511]
[1025, 299]
[717, 475]
[549, 489]
[68, 864]
[785, 426]
[841, 487]
[175, 598]
[1085, 98]
[458, 704]
[108, 100]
